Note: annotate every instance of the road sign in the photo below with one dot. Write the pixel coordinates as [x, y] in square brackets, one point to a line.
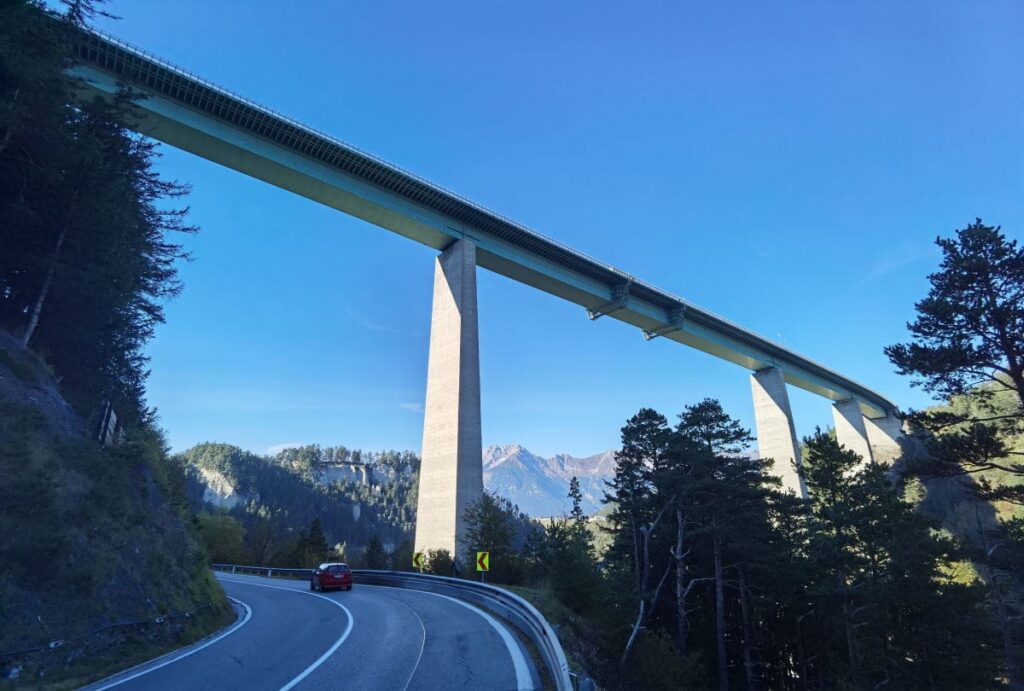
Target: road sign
[483, 561]
[417, 560]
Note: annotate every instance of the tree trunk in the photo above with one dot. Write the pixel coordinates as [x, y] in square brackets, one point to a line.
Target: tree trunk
[1010, 661]
[636, 550]
[800, 654]
[723, 666]
[9, 134]
[748, 634]
[646, 605]
[633, 634]
[851, 648]
[37, 309]
[682, 624]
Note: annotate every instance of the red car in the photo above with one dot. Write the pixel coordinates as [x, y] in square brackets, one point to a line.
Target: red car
[332, 575]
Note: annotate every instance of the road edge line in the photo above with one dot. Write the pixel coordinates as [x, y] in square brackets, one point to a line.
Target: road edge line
[519, 664]
[330, 651]
[176, 655]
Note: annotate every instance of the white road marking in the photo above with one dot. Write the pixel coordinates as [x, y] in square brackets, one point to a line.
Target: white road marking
[330, 651]
[245, 620]
[524, 682]
[423, 644]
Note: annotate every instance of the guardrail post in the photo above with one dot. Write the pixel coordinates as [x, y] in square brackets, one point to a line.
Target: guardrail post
[270, 573]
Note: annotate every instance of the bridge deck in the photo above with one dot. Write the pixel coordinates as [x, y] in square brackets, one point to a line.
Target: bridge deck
[187, 112]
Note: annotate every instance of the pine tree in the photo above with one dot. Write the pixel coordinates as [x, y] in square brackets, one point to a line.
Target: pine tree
[885, 613]
[968, 348]
[86, 259]
[722, 508]
[577, 515]
[316, 546]
[493, 524]
[970, 328]
[374, 556]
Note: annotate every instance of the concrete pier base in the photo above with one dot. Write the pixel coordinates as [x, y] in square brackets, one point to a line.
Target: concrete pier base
[884, 435]
[851, 430]
[451, 474]
[776, 435]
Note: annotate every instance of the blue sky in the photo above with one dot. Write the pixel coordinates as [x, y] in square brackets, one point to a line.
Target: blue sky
[786, 165]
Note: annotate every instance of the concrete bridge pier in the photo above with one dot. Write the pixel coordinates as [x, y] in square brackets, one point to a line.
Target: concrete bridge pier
[776, 434]
[451, 474]
[873, 439]
[851, 428]
[884, 435]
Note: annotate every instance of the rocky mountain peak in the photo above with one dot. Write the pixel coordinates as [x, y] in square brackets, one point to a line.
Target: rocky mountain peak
[540, 486]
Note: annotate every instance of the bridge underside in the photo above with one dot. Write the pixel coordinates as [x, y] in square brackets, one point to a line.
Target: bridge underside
[628, 300]
[189, 114]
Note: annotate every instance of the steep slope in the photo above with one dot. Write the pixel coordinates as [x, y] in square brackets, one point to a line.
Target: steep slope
[97, 567]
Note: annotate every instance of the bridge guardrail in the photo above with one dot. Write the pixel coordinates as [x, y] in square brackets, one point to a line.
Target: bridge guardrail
[505, 604]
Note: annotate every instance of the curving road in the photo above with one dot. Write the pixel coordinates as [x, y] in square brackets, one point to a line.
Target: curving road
[371, 637]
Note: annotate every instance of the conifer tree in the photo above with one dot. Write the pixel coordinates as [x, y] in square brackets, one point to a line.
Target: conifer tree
[86, 255]
[374, 556]
[885, 613]
[316, 547]
[968, 348]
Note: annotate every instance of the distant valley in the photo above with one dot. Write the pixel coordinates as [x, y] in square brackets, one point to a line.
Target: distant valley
[345, 483]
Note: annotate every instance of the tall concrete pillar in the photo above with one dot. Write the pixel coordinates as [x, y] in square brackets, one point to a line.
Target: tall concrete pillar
[851, 430]
[451, 474]
[776, 435]
[884, 435]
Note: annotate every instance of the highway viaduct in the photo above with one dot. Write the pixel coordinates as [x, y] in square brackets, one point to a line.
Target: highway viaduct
[185, 111]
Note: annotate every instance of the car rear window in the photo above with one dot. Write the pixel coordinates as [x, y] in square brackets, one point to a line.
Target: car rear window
[337, 568]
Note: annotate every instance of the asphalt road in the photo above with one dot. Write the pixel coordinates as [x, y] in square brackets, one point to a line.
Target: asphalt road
[371, 637]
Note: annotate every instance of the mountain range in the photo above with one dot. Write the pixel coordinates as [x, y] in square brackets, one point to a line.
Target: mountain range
[540, 486]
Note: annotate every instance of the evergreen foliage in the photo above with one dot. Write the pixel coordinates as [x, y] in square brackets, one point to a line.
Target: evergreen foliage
[968, 348]
[374, 556]
[87, 255]
[280, 496]
[494, 524]
[87, 258]
[970, 328]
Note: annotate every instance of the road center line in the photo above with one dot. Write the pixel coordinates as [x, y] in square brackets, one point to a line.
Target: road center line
[235, 627]
[423, 644]
[524, 682]
[330, 651]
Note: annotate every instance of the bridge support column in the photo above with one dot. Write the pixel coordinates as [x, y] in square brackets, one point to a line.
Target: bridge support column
[851, 430]
[776, 435]
[884, 435]
[451, 473]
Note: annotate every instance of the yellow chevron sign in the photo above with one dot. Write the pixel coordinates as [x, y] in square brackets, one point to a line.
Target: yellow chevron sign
[483, 561]
[417, 560]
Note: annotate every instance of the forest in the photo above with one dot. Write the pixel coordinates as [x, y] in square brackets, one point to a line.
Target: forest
[290, 515]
